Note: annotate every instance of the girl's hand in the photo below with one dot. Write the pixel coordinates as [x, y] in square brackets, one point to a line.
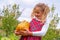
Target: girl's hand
[26, 33]
[17, 32]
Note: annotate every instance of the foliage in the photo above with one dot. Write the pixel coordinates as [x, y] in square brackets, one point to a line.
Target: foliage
[52, 33]
[9, 22]
[13, 37]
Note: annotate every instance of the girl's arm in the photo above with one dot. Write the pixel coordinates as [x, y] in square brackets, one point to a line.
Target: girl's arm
[44, 29]
[42, 32]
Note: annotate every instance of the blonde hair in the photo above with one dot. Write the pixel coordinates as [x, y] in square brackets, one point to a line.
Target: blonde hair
[44, 8]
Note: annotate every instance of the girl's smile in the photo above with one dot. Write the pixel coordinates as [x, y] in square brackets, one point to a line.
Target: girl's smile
[38, 12]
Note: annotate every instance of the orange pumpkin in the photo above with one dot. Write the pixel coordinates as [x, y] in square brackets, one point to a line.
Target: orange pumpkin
[23, 25]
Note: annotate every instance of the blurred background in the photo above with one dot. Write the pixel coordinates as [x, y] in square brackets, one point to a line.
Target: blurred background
[13, 12]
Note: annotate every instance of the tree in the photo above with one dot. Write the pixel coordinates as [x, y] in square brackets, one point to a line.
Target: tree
[9, 19]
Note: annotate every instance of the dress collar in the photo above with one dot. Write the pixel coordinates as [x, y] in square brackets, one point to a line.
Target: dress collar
[39, 20]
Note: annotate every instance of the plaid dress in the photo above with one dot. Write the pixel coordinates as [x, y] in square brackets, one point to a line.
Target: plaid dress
[35, 25]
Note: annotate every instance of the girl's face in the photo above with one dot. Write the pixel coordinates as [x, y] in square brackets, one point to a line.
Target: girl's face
[38, 12]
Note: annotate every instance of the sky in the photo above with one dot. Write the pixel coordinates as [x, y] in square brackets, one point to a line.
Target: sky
[28, 6]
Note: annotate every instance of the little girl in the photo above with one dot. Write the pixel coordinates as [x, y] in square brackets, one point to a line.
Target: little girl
[38, 23]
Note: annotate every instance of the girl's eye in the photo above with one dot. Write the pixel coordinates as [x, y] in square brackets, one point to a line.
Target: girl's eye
[37, 12]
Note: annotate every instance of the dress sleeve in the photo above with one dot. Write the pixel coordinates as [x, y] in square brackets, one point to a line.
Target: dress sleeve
[44, 29]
